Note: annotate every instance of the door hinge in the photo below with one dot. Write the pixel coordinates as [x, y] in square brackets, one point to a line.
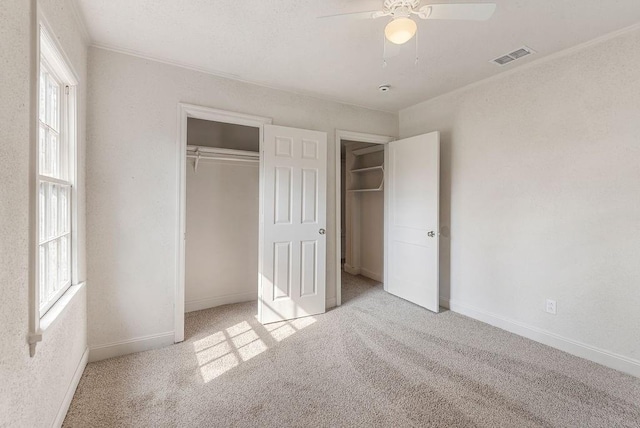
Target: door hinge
[66, 90]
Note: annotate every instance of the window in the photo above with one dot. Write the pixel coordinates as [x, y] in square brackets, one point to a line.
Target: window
[56, 170]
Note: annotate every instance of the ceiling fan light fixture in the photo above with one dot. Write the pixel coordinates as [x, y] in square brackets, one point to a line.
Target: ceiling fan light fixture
[400, 30]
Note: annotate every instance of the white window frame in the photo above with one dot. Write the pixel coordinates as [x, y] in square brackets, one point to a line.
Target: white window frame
[47, 51]
[61, 182]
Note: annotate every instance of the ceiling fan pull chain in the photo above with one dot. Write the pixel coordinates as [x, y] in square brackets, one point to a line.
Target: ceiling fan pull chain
[417, 59]
[384, 51]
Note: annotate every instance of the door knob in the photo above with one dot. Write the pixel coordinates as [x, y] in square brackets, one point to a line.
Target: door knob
[321, 231]
[431, 234]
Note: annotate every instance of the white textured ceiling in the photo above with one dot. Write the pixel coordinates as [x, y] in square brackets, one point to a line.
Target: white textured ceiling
[282, 44]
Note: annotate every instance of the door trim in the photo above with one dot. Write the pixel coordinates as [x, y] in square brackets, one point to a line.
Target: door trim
[361, 138]
[186, 111]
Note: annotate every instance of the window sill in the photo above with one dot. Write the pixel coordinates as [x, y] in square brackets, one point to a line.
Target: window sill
[59, 307]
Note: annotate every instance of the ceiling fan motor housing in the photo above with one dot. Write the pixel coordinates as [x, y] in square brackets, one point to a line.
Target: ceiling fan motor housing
[403, 9]
[393, 4]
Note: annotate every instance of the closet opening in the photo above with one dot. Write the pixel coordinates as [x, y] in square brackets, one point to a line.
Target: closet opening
[221, 213]
[252, 220]
[218, 152]
[361, 213]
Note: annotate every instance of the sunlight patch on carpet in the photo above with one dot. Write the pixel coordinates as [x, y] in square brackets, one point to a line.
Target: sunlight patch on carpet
[228, 348]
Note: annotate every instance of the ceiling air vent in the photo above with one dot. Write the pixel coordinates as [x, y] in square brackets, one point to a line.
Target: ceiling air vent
[504, 60]
[512, 56]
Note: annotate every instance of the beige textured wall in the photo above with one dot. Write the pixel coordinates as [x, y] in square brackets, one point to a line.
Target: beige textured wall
[222, 233]
[131, 165]
[541, 190]
[32, 389]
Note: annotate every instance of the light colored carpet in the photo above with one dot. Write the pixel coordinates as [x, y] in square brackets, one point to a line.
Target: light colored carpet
[375, 361]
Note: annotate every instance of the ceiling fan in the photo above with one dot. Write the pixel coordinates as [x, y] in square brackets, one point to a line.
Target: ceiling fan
[402, 28]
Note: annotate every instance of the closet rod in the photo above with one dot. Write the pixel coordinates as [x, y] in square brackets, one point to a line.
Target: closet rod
[220, 151]
[214, 153]
[229, 158]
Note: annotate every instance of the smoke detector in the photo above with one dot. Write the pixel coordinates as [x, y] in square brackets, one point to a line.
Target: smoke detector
[384, 88]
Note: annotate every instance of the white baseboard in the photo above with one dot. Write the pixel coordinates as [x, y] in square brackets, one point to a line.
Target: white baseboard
[352, 270]
[212, 302]
[71, 390]
[370, 274]
[129, 346]
[330, 302]
[573, 347]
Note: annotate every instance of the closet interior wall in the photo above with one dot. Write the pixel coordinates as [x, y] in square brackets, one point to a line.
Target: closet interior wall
[364, 210]
[221, 264]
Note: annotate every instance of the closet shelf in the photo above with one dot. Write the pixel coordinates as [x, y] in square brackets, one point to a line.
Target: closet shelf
[371, 168]
[367, 150]
[378, 189]
[354, 163]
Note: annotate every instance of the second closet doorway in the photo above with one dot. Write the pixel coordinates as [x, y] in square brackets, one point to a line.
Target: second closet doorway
[363, 210]
[360, 214]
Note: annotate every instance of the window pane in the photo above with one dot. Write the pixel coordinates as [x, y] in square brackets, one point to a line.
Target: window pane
[46, 170]
[52, 222]
[63, 211]
[52, 269]
[42, 150]
[62, 171]
[64, 260]
[42, 265]
[42, 214]
[54, 155]
[43, 95]
[53, 103]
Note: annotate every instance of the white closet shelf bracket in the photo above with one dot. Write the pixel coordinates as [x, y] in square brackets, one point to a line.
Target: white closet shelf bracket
[197, 155]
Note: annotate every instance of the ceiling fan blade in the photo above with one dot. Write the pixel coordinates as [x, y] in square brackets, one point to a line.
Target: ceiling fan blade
[462, 11]
[370, 14]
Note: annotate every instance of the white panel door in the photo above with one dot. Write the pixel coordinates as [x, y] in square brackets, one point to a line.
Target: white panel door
[412, 189]
[293, 244]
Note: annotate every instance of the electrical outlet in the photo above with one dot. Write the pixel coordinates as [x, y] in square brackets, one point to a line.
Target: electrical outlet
[551, 306]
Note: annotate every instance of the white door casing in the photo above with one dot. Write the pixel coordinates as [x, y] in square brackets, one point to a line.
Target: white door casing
[412, 190]
[293, 254]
